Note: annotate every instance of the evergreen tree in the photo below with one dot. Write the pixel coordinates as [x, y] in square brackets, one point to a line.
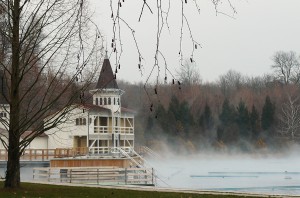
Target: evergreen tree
[185, 117]
[174, 107]
[267, 116]
[254, 122]
[228, 130]
[228, 114]
[206, 119]
[243, 121]
[162, 118]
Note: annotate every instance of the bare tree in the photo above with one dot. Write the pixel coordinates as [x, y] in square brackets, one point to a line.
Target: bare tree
[189, 73]
[290, 117]
[49, 46]
[230, 81]
[49, 51]
[286, 66]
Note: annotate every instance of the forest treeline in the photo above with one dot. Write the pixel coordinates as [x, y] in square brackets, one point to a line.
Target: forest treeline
[235, 112]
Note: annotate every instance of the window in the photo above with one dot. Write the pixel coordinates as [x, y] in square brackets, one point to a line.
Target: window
[114, 101]
[109, 101]
[118, 101]
[2, 114]
[100, 101]
[96, 101]
[105, 101]
[80, 121]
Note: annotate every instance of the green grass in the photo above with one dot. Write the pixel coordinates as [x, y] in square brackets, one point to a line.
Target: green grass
[55, 191]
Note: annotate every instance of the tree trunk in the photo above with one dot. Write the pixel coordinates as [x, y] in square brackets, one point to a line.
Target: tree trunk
[12, 178]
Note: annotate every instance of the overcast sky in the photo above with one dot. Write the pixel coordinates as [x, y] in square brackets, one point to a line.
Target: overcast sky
[245, 43]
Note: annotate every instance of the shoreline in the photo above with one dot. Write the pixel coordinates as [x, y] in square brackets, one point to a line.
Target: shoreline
[161, 189]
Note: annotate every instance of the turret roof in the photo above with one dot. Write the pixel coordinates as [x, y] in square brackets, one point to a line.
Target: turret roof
[106, 79]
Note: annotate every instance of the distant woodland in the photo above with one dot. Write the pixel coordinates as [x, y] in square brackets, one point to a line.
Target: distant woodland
[237, 112]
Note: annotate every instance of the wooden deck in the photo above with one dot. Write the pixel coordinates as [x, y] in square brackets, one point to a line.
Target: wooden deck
[46, 154]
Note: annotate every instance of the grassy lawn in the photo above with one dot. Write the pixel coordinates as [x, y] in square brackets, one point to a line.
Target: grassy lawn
[54, 191]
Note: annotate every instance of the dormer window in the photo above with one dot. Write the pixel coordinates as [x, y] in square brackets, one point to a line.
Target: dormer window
[96, 101]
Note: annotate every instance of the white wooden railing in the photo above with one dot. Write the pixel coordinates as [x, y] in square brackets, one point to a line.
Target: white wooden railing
[96, 175]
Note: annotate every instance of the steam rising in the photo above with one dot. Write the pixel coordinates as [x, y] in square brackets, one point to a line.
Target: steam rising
[273, 173]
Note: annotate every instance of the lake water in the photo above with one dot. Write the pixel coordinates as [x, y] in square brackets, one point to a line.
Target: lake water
[264, 174]
[270, 175]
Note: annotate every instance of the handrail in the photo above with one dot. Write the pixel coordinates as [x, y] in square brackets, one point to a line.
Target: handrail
[46, 154]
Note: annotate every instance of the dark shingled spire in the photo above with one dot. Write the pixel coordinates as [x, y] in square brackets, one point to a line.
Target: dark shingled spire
[3, 88]
[106, 78]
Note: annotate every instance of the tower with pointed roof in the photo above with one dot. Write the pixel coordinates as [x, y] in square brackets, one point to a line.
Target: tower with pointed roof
[107, 93]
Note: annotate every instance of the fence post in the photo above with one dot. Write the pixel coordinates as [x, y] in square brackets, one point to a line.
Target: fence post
[125, 176]
[70, 175]
[152, 176]
[145, 177]
[49, 174]
[98, 176]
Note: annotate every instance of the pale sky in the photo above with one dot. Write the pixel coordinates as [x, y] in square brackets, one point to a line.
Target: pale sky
[245, 43]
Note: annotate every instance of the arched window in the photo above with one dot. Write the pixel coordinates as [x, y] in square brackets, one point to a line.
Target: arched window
[101, 101]
[80, 121]
[105, 101]
[109, 101]
[96, 101]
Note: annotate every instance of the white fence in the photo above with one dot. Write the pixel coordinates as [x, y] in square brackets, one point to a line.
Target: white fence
[96, 175]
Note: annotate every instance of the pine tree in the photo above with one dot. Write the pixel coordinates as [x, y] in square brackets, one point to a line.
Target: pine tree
[228, 114]
[254, 122]
[228, 130]
[206, 119]
[267, 116]
[243, 120]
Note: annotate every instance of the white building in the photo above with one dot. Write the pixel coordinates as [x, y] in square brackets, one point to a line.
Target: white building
[103, 127]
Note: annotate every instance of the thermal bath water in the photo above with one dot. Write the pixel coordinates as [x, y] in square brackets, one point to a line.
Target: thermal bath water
[269, 175]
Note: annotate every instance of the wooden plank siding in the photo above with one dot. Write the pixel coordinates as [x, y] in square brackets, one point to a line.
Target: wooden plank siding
[88, 162]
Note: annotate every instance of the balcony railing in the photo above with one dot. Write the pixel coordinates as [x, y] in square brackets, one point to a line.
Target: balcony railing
[108, 129]
[46, 154]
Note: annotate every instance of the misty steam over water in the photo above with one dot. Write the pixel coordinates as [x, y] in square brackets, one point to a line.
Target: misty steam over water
[242, 173]
[269, 174]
